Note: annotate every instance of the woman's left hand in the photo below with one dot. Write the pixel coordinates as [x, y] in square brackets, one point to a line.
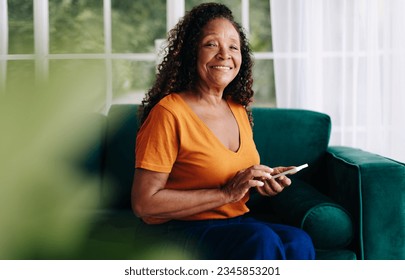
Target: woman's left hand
[272, 187]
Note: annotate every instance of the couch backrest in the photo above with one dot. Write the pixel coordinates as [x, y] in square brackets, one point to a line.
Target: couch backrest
[283, 137]
[119, 156]
[286, 137]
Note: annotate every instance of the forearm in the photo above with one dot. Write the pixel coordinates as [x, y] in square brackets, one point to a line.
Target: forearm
[176, 204]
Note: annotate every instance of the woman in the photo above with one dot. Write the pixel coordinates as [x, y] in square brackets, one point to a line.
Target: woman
[196, 161]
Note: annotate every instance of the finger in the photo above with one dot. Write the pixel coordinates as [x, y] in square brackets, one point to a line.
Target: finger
[261, 191]
[269, 189]
[275, 186]
[283, 168]
[255, 183]
[263, 167]
[258, 174]
[266, 191]
[284, 181]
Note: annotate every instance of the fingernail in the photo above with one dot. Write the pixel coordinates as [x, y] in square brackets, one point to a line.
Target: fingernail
[260, 184]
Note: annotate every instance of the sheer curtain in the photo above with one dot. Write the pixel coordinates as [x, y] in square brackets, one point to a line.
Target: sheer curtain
[345, 58]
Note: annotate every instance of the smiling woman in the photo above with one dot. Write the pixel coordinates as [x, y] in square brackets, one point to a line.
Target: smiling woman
[196, 161]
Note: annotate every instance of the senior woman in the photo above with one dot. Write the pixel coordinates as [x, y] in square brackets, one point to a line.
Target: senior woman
[196, 161]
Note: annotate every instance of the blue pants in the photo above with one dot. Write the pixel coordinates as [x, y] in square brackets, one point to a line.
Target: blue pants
[240, 238]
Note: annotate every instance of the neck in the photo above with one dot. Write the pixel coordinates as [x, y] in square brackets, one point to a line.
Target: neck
[211, 96]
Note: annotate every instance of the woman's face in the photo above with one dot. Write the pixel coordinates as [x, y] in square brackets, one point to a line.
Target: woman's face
[219, 55]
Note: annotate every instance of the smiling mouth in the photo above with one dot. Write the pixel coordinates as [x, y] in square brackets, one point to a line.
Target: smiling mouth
[221, 67]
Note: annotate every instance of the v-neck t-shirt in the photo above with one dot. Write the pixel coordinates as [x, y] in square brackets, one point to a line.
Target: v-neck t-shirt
[174, 140]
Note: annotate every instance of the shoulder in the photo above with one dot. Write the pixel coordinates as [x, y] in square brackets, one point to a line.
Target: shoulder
[172, 103]
[168, 108]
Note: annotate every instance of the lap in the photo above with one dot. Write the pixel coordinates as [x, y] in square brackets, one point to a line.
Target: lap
[223, 238]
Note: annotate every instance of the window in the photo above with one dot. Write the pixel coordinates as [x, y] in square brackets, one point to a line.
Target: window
[48, 36]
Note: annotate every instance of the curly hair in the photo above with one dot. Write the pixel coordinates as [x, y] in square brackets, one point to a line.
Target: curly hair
[178, 70]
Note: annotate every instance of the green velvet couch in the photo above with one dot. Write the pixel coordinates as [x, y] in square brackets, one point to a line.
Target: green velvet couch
[351, 202]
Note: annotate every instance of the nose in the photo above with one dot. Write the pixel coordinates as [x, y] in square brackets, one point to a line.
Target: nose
[223, 53]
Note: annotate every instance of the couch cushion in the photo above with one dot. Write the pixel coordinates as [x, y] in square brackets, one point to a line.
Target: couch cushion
[335, 255]
[329, 224]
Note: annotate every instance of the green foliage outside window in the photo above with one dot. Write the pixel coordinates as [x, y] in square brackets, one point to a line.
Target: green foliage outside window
[136, 25]
[20, 27]
[77, 27]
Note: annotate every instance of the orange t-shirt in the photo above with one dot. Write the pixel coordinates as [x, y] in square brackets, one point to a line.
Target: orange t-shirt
[173, 139]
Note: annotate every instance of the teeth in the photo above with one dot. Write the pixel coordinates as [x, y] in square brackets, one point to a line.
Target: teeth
[221, 67]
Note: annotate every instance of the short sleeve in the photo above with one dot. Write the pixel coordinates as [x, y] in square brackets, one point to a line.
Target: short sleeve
[157, 141]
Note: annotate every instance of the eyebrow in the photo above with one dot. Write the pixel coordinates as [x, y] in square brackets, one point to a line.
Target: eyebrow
[236, 39]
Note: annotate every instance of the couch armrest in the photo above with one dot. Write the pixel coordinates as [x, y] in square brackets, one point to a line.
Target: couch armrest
[372, 189]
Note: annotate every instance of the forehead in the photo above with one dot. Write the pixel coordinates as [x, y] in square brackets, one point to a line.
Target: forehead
[220, 27]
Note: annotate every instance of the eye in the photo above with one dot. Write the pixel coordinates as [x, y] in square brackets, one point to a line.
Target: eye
[211, 44]
[234, 47]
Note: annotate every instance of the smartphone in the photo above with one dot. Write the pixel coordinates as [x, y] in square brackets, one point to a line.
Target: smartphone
[290, 171]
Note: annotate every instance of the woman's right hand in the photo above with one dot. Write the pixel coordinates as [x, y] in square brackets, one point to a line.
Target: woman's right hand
[245, 179]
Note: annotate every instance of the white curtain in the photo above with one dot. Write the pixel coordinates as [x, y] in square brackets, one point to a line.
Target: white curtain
[345, 58]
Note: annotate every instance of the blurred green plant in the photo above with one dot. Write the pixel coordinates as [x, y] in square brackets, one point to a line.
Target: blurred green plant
[49, 198]
[44, 194]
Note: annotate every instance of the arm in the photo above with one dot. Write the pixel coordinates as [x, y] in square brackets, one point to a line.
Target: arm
[150, 198]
